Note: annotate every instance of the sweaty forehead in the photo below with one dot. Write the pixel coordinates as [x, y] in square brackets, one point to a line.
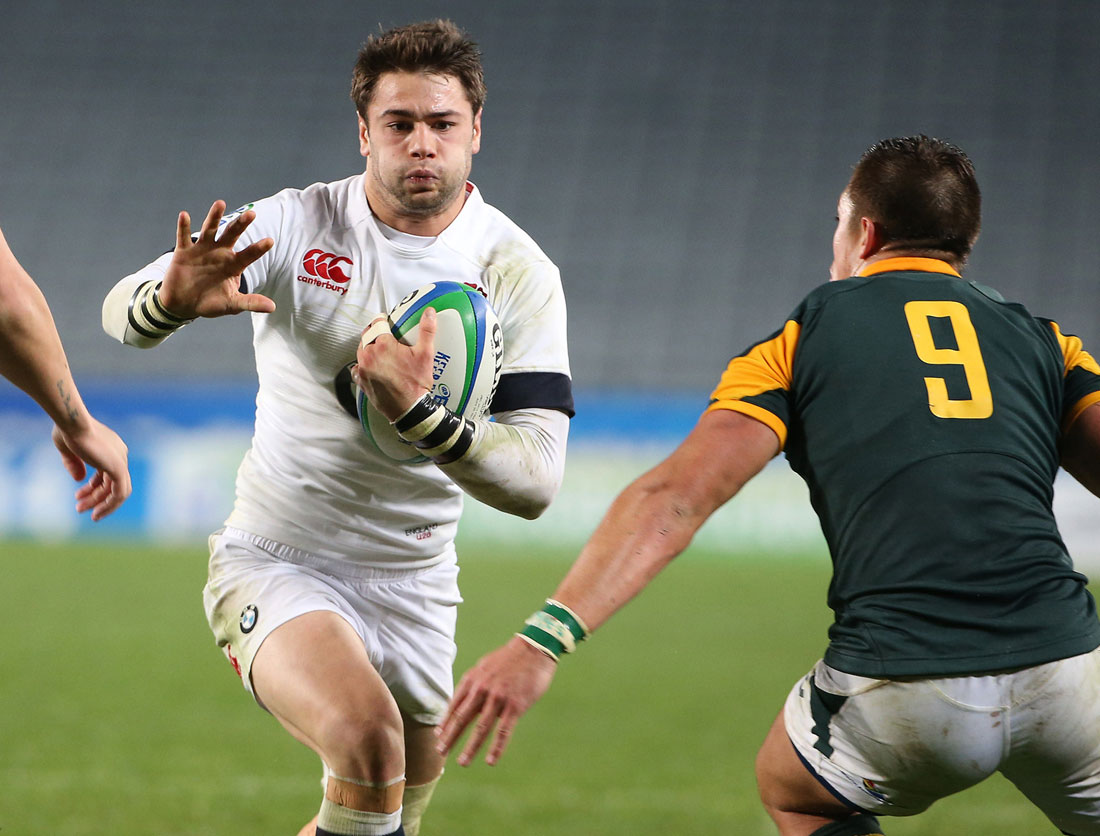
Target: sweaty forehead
[418, 94]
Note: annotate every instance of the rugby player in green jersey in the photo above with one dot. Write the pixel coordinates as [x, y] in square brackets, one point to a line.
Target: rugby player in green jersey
[928, 418]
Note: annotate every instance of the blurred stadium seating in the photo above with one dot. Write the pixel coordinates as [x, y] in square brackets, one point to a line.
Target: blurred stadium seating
[679, 161]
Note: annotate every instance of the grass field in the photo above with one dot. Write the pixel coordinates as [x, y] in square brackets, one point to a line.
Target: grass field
[119, 716]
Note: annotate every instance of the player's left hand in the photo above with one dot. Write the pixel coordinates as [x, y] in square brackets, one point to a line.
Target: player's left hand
[98, 445]
[502, 686]
[393, 375]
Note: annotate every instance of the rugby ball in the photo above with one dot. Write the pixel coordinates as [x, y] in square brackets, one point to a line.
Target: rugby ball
[469, 353]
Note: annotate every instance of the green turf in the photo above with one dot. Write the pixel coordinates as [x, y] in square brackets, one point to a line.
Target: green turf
[120, 717]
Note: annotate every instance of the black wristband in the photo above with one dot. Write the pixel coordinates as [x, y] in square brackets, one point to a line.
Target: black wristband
[440, 434]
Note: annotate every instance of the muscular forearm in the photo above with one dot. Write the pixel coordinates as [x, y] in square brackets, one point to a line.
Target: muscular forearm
[31, 354]
[643, 530]
[656, 517]
[516, 462]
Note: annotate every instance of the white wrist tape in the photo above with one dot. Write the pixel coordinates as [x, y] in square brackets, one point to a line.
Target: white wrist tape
[148, 316]
[437, 432]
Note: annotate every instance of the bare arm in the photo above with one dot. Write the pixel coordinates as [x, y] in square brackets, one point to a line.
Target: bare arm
[651, 522]
[32, 357]
[1081, 449]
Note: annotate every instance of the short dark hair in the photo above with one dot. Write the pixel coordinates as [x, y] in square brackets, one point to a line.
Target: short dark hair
[435, 46]
[921, 191]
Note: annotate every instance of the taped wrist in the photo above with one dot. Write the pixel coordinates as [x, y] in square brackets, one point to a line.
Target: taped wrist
[147, 313]
[437, 432]
[554, 630]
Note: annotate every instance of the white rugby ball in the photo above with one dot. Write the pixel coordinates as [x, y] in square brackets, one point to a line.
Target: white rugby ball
[469, 353]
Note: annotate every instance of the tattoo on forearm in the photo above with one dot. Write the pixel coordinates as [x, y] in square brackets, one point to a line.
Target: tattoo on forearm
[67, 400]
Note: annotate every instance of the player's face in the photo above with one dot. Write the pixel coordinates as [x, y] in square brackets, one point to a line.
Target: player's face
[846, 241]
[419, 139]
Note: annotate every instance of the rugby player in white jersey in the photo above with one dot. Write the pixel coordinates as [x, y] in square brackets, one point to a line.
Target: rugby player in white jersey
[332, 587]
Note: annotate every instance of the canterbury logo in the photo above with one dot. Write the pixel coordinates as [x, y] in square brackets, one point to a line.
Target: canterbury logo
[326, 265]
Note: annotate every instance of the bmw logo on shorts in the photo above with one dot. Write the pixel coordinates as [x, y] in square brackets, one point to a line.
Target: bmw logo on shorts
[248, 618]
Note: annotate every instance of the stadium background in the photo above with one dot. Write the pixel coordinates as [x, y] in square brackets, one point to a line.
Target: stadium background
[678, 159]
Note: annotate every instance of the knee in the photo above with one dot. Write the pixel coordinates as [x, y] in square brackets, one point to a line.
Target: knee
[365, 747]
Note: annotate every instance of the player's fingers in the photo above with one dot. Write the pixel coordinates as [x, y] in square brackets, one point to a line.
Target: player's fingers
[252, 303]
[486, 718]
[454, 721]
[91, 486]
[109, 503]
[123, 487]
[117, 486]
[250, 253]
[379, 325]
[210, 226]
[504, 734]
[95, 497]
[235, 227]
[425, 342]
[183, 231]
[464, 705]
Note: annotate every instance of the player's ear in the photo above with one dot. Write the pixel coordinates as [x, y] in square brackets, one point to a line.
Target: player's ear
[476, 144]
[364, 138]
[871, 238]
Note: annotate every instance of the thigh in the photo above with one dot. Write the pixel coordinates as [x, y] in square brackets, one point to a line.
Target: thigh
[788, 786]
[314, 675]
[896, 747]
[1055, 755]
[249, 594]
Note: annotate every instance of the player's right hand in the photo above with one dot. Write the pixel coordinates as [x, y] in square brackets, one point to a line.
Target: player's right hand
[502, 686]
[204, 276]
[393, 375]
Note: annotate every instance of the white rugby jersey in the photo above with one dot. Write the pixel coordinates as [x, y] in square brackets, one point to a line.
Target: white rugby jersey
[312, 479]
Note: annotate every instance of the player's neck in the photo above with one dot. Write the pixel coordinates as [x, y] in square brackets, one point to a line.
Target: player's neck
[425, 226]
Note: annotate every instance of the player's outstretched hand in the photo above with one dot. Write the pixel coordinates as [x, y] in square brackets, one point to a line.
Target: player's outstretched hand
[500, 687]
[204, 276]
[393, 375]
[97, 445]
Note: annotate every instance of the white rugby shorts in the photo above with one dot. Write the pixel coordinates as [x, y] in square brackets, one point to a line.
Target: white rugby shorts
[894, 747]
[405, 617]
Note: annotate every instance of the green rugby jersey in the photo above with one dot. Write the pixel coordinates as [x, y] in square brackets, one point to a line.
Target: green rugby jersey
[924, 413]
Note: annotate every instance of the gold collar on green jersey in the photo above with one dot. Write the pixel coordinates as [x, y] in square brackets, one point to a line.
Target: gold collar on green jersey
[924, 265]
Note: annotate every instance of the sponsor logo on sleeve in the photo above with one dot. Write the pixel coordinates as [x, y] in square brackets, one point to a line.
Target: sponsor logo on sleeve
[326, 270]
[234, 214]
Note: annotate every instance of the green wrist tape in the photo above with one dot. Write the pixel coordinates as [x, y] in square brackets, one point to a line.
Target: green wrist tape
[543, 639]
[567, 617]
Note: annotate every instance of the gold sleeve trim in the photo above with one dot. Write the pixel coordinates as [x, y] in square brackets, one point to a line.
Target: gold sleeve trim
[1078, 408]
[763, 368]
[753, 411]
[1074, 353]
